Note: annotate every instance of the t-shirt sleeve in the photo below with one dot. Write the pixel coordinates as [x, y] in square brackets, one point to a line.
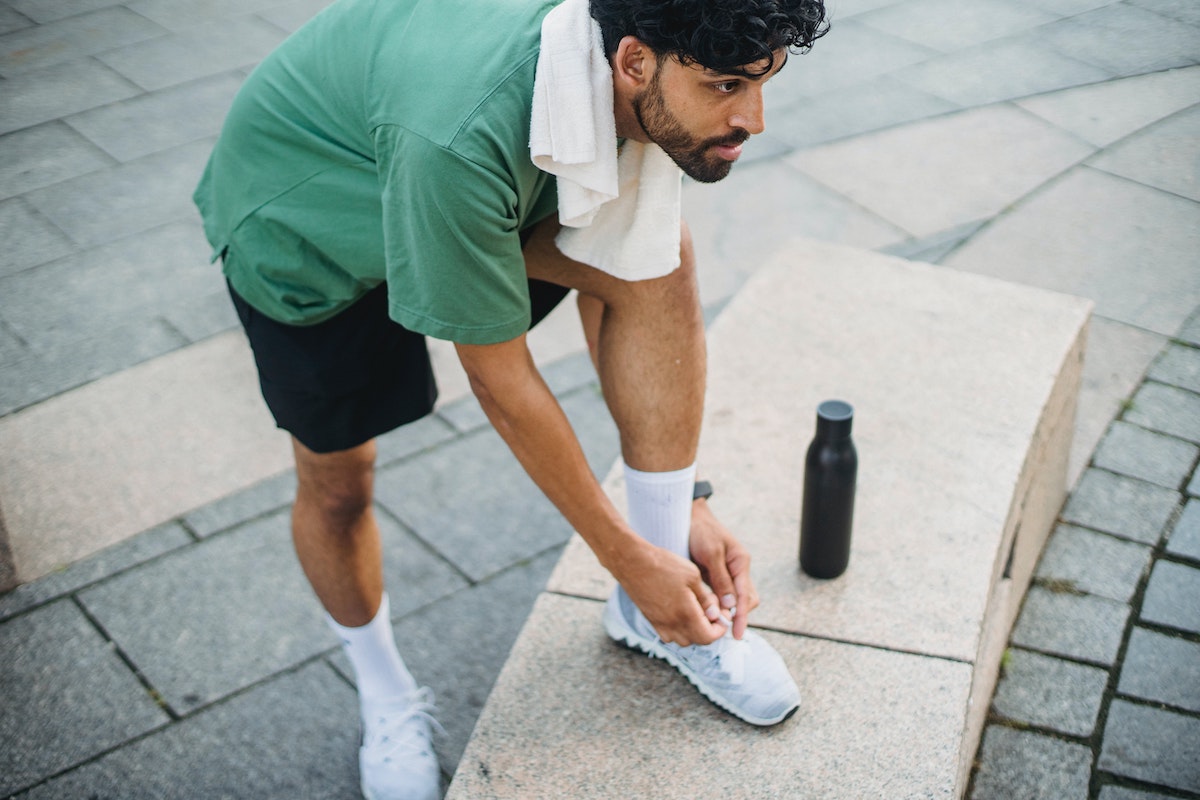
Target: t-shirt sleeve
[451, 241]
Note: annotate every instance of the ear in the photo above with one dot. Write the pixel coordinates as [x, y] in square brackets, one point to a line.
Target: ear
[633, 64]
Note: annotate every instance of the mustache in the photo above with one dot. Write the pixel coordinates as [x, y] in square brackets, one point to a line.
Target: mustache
[737, 137]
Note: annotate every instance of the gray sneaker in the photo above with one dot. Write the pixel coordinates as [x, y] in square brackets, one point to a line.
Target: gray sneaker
[747, 678]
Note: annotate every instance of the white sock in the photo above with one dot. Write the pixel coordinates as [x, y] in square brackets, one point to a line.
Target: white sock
[660, 506]
[378, 669]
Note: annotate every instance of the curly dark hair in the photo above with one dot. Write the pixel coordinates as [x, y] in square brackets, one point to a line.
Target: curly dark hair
[722, 35]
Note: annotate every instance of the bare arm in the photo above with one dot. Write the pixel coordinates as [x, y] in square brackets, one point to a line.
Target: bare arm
[668, 589]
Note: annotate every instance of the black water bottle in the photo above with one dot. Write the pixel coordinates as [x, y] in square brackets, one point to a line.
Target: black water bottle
[830, 474]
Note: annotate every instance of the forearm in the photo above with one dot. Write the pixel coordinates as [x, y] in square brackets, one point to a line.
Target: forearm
[525, 413]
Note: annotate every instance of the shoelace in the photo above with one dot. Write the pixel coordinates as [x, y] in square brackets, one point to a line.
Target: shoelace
[406, 729]
[726, 655]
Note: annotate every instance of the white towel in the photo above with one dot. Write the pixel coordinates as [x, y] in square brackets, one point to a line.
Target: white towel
[620, 213]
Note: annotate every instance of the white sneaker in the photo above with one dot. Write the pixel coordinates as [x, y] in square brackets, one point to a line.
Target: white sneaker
[396, 760]
[747, 678]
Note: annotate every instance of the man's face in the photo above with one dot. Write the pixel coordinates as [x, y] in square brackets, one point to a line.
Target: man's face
[700, 118]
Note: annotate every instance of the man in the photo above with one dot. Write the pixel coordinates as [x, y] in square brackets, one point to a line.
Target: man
[373, 185]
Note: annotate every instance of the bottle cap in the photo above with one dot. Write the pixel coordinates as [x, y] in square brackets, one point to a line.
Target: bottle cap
[834, 419]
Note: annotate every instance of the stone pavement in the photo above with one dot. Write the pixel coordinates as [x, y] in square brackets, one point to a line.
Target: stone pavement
[1048, 142]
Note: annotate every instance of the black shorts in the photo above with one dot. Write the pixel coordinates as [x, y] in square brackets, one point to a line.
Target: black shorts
[344, 381]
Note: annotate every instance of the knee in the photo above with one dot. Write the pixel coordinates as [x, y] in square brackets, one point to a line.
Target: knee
[339, 504]
[338, 487]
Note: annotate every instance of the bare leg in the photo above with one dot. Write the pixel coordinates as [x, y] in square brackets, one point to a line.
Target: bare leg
[334, 530]
[647, 340]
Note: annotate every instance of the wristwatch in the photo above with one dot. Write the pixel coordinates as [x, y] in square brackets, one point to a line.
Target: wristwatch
[702, 489]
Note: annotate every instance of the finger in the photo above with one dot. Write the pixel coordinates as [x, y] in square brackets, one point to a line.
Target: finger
[713, 627]
[741, 616]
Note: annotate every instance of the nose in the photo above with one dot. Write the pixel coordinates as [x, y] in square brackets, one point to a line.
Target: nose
[749, 114]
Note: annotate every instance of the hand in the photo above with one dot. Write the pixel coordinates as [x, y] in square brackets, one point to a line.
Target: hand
[724, 564]
[670, 592]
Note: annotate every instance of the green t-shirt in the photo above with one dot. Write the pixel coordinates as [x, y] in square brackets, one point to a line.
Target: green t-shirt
[386, 140]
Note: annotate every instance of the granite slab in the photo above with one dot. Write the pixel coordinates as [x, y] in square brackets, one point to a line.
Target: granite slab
[573, 709]
[963, 458]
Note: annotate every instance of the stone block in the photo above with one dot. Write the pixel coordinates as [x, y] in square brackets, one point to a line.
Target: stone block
[1185, 537]
[290, 16]
[108, 562]
[735, 234]
[83, 296]
[50, 371]
[71, 38]
[12, 21]
[1189, 332]
[1050, 693]
[1088, 224]
[1167, 409]
[1129, 104]
[1194, 487]
[12, 348]
[185, 17]
[571, 708]
[45, 154]
[1162, 669]
[930, 572]
[1151, 745]
[1139, 453]
[1113, 367]
[1178, 366]
[132, 450]
[1162, 156]
[1076, 626]
[973, 165]
[263, 498]
[30, 239]
[931, 249]
[473, 503]
[1017, 763]
[841, 113]
[160, 120]
[1122, 506]
[1079, 560]
[67, 696]
[988, 20]
[1112, 792]
[856, 56]
[187, 622]
[130, 198]
[202, 50]
[1181, 10]
[47, 94]
[1122, 40]
[1173, 597]
[42, 11]
[1002, 70]
[203, 315]
[409, 440]
[295, 735]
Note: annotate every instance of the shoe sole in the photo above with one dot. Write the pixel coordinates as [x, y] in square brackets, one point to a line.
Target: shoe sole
[624, 635]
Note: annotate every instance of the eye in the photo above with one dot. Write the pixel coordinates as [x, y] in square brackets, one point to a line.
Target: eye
[726, 87]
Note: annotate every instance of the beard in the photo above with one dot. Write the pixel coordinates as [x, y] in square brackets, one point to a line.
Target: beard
[665, 130]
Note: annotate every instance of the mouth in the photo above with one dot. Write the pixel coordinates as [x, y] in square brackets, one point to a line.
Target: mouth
[729, 152]
[730, 149]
